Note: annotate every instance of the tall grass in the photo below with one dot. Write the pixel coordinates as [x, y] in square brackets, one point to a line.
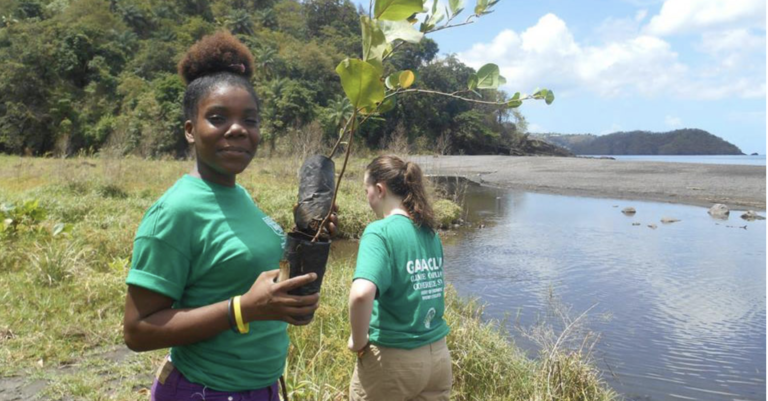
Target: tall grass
[62, 296]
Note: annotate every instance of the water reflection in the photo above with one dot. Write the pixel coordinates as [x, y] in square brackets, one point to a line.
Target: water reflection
[687, 299]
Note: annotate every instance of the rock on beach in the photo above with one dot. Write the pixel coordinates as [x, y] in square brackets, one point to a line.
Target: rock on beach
[719, 211]
[751, 215]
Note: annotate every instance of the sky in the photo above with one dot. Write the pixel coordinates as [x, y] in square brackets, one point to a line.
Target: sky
[624, 65]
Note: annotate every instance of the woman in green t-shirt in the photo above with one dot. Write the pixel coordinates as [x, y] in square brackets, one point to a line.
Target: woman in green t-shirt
[202, 279]
[396, 303]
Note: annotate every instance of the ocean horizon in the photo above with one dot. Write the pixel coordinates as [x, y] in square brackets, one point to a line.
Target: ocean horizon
[758, 160]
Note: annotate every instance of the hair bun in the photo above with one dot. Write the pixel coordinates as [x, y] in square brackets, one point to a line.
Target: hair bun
[215, 53]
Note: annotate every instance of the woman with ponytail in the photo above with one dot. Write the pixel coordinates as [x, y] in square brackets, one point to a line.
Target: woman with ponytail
[205, 257]
[396, 303]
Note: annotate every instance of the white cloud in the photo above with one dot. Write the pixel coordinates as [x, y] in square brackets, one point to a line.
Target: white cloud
[727, 41]
[548, 55]
[673, 122]
[683, 16]
[536, 128]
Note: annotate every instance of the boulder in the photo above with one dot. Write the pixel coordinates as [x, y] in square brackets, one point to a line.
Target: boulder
[635, 224]
[751, 215]
[669, 220]
[629, 210]
[719, 211]
[652, 226]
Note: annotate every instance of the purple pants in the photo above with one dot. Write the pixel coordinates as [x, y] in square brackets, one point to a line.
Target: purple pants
[177, 387]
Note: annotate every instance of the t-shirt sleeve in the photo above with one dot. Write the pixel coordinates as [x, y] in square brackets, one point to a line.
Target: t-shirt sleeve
[373, 262]
[161, 261]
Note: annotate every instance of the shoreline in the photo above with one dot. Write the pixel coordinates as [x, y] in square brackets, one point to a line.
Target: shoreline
[737, 186]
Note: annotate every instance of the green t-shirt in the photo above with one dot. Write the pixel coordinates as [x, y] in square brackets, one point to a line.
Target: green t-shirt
[202, 243]
[406, 265]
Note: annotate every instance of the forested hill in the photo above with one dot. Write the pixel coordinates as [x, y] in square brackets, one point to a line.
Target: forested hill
[678, 142]
[96, 74]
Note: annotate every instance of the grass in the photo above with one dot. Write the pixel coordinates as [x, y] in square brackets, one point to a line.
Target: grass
[62, 295]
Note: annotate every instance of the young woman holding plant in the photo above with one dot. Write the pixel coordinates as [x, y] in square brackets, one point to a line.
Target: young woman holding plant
[205, 257]
[396, 303]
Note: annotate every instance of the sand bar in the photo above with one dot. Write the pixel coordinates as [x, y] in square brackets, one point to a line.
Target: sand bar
[739, 187]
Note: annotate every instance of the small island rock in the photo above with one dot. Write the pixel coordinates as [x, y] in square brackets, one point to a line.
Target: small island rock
[719, 211]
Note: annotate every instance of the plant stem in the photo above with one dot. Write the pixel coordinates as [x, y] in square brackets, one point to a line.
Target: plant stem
[431, 92]
[341, 137]
[343, 167]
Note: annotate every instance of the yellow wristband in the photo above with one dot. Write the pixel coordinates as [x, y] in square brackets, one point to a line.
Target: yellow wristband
[241, 327]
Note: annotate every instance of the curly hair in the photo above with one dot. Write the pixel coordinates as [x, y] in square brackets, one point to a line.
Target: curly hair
[215, 60]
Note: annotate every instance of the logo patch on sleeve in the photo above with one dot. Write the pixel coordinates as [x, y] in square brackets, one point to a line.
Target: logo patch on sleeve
[276, 228]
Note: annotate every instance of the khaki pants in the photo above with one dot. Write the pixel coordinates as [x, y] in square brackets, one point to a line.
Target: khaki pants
[393, 374]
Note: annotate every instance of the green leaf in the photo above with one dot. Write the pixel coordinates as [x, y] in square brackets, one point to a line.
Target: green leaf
[388, 104]
[379, 66]
[550, 97]
[374, 41]
[435, 18]
[515, 101]
[388, 50]
[406, 79]
[403, 30]
[502, 80]
[481, 6]
[456, 6]
[395, 10]
[472, 83]
[393, 80]
[361, 82]
[488, 77]
[545, 94]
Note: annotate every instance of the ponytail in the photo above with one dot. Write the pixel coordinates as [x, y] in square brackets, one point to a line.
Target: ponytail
[406, 180]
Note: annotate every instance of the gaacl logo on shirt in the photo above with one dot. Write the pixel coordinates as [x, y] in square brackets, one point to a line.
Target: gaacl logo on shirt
[276, 228]
[430, 315]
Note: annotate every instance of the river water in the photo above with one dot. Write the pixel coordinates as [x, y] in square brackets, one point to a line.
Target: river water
[717, 159]
[680, 309]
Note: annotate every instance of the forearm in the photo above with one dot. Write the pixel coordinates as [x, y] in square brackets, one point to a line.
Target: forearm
[360, 310]
[174, 327]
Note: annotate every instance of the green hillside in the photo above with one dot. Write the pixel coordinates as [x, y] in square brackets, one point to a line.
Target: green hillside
[88, 74]
[678, 142]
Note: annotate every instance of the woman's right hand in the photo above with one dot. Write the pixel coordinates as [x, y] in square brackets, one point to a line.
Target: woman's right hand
[268, 300]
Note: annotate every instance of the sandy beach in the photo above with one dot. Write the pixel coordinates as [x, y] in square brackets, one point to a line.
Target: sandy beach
[739, 187]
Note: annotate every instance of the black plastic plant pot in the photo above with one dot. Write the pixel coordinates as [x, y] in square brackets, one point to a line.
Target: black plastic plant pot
[304, 256]
[316, 185]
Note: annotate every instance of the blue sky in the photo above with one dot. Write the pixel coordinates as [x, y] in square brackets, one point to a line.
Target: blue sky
[627, 65]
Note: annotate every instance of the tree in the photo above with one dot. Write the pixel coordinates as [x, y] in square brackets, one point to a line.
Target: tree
[339, 110]
[239, 21]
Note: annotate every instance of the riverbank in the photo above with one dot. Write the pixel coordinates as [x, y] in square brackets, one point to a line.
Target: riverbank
[63, 269]
[687, 183]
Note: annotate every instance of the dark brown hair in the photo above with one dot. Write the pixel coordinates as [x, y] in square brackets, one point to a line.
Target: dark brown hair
[218, 59]
[405, 180]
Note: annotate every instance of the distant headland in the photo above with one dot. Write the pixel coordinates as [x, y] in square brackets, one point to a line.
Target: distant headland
[686, 141]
